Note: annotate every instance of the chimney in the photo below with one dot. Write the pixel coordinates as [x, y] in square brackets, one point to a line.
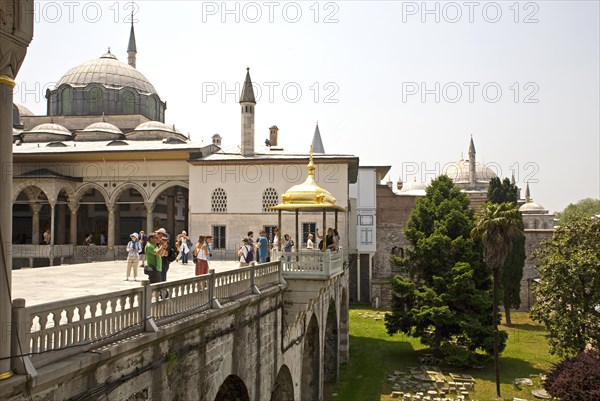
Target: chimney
[216, 140]
[399, 184]
[273, 135]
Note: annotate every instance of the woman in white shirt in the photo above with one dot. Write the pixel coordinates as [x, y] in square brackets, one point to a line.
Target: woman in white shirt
[309, 242]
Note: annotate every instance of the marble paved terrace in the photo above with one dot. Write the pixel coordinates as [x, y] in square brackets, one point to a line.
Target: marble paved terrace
[46, 284]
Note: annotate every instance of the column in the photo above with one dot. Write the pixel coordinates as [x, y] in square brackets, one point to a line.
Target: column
[60, 217]
[52, 226]
[111, 226]
[16, 32]
[171, 212]
[73, 228]
[149, 217]
[35, 223]
[110, 241]
[6, 122]
[118, 225]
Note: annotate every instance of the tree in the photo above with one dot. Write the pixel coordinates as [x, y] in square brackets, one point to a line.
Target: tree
[584, 208]
[568, 293]
[511, 272]
[444, 296]
[497, 227]
[576, 379]
[500, 192]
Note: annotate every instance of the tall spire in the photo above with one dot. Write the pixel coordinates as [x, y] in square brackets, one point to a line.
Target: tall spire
[131, 48]
[317, 143]
[247, 101]
[472, 164]
[471, 148]
[247, 91]
[527, 193]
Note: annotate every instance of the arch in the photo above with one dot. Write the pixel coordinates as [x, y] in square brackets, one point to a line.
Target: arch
[330, 361]
[152, 105]
[66, 100]
[218, 201]
[232, 389]
[270, 198]
[283, 390]
[128, 101]
[28, 187]
[94, 96]
[311, 366]
[90, 185]
[166, 185]
[121, 188]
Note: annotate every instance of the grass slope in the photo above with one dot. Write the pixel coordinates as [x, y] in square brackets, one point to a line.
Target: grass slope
[374, 355]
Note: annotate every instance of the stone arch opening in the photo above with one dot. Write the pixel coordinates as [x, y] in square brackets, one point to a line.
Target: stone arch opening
[232, 389]
[311, 366]
[171, 210]
[22, 221]
[283, 390]
[331, 367]
[92, 216]
[130, 213]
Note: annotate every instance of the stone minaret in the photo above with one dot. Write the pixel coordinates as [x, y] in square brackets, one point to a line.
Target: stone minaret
[472, 171]
[131, 49]
[527, 193]
[247, 102]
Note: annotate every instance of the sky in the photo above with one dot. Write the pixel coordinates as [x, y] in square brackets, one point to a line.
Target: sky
[397, 83]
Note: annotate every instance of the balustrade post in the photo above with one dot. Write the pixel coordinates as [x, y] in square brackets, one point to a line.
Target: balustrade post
[148, 320]
[253, 286]
[280, 269]
[214, 302]
[20, 363]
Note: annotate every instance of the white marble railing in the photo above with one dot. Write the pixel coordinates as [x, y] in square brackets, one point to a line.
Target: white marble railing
[311, 264]
[51, 252]
[53, 331]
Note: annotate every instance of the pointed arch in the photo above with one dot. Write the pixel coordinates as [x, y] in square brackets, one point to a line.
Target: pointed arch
[311, 362]
[166, 185]
[121, 188]
[283, 390]
[233, 388]
[330, 362]
[31, 190]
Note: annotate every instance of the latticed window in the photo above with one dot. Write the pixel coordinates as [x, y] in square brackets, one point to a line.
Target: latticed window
[270, 198]
[218, 233]
[309, 228]
[219, 201]
[66, 99]
[128, 102]
[95, 100]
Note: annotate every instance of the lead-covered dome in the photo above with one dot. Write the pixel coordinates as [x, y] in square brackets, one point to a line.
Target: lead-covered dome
[46, 132]
[100, 131]
[107, 71]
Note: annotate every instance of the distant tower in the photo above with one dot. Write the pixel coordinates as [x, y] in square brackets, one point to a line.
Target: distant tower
[527, 194]
[216, 139]
[317, 143]
[131, 49]
[273, 135]
[472, 172]
[247, 101]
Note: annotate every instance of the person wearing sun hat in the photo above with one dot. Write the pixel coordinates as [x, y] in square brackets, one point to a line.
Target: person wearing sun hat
[133, 250]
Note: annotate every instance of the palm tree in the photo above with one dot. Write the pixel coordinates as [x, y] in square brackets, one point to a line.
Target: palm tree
[496, 227]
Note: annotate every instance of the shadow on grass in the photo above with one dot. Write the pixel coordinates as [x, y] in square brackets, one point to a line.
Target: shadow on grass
[373, 359]
[525, 327]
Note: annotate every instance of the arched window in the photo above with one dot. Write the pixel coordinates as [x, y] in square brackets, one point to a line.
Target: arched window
[152, 108]
[95, 100]
[219, 201]
[270, 198]
[128, 99]
[66, 98]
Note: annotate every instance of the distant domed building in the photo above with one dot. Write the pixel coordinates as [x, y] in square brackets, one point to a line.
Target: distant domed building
[469, 175]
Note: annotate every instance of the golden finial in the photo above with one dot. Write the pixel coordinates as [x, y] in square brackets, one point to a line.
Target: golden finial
[311, 165]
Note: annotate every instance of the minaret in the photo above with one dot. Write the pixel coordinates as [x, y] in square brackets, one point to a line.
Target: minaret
[527, 193]
[317, 143]
[131, 49]
[472, 171]
[247, 102]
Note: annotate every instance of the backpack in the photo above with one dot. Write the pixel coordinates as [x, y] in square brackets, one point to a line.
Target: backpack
[250, 255]
[172, 255]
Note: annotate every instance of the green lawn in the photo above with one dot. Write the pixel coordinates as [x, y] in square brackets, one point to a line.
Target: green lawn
[374, 355]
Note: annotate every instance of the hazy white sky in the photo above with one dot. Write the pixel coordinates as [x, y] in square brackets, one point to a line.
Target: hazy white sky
[396, 83]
